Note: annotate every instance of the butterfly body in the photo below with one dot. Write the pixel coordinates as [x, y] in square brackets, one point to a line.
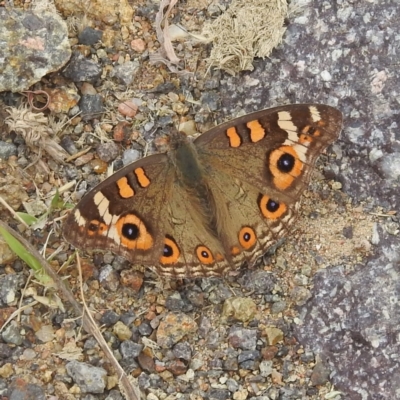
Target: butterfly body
[209, 205]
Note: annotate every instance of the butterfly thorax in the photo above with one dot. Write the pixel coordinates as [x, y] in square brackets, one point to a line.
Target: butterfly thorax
[183, 155]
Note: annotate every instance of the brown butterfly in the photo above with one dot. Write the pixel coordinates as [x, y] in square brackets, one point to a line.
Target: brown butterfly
[209, 205]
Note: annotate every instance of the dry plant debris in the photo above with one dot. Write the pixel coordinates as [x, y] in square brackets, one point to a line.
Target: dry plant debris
[35, 129]
[246, 30]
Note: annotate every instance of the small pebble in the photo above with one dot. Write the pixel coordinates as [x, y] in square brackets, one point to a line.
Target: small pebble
[90, 36]
[122, 331]
[90, 379]
[138, 45]
[128, 108]
[108, 151]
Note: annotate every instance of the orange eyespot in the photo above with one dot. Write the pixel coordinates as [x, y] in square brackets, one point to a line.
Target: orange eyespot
[171, 251]
[133, 233]
[204, 255]
[285, 166]
[311, 131]
[247, 237]
[96, 227]
[305, 140]
[270, 208]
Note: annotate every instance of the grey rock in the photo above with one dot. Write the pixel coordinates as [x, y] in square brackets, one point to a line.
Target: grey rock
[3, 387]
[351, 320]
[320, 372]
[249, 355]
[109, 318]
[220, 294]
[114, 395]
[261, 398]
[71, 173]
[213, 340]
[278, 307]
[7, 150]
[243, 338]
[90, 343]
[348, 232]
[215, 364]
[195, 296]
[128, 318]
[145, 328]
[9, 286]
[390, 166]
[165, 120]
[251, 365]
[90, 379]
[183, 351]
[219, 394]
[213, 83]
[111, 339]
[300, 280]
[210, 101]
[146, 381]
[5, 351]
[119, 263]
[91, 106]
[261, 282]
[25, 391]
[288, 393]
[80, 69]
[68, 145]
[307, 357]
[174, 302]
[232, 385]
[130, 349]
[130, 155]
[11, 334]
[90, 36]
[126, 72]
[266, 368]
[109, 278]
[204, 326]
[107, 151]
[31, 46]
[300, 295]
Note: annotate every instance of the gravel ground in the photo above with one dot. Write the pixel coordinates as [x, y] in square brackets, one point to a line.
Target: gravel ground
[317, 318]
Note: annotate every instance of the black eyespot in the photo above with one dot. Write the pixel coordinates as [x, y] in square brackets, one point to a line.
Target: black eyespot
[168, 251]
[286, 162]
[93, 227]
[130, 231]
[272, 205]
[246, 237]
[311, 131]
[205, 254]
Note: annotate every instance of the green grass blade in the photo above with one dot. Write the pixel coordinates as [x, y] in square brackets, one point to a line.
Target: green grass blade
[17, 247]
[27, 218]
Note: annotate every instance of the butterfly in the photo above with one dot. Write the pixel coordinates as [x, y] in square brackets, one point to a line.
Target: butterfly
[208, 206]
